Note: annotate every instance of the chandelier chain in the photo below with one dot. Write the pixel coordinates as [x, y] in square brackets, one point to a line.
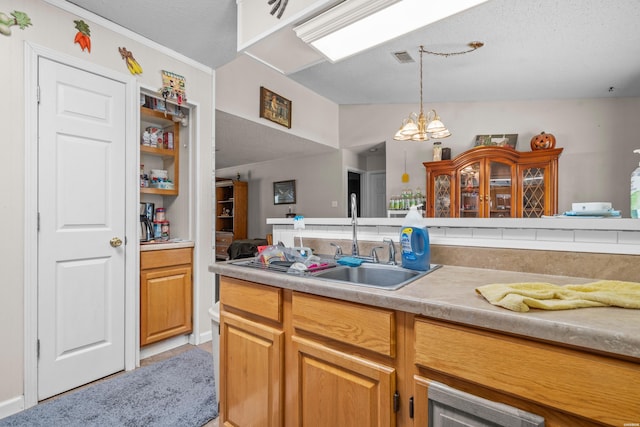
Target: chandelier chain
[421, 108]
[472, 45]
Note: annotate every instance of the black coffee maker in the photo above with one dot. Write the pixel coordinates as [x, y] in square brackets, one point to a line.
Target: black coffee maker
[146, 226]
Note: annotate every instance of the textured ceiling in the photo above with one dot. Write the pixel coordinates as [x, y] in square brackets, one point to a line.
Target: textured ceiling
[534, 49]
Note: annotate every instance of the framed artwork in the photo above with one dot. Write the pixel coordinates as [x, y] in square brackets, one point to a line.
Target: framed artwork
[275, 108]
[498, 140]
[284, 192]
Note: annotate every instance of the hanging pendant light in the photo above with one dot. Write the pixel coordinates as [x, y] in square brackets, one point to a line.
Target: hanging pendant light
[424, 127]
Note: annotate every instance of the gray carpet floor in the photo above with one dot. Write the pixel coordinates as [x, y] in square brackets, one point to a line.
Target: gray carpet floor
[175, 392]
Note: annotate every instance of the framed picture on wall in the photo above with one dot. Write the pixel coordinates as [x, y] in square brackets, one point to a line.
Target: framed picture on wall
[284, 192]
[275, 107]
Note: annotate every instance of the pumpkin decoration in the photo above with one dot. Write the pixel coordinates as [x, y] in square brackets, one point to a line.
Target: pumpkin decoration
[543, 141]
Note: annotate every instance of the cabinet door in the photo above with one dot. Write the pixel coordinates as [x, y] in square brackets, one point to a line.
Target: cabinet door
[500, 194]
[535, 199]
[470, 191]
[442, 190]
[339, 389]
[251, 373]
[165, 303]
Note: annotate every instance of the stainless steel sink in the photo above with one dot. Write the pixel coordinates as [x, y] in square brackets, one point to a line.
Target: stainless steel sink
[381, 276]
[374, 275]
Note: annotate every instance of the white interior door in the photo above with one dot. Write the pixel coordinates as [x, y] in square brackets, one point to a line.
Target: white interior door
[81, 205]
[378, 194]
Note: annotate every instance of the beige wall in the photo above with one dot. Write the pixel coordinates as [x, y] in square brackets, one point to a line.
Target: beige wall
[598, 137]
[318, 183]
[237, 92]
[53, 28]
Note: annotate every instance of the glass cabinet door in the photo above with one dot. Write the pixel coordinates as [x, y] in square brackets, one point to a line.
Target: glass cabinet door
[500, 196]
[442, 196]
[533, 192]
[469, 182]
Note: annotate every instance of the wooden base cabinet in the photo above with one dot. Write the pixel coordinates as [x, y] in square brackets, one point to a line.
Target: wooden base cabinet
[344, 355]
[166, 296]
[562, 386]
[293, 359]
[251, 354]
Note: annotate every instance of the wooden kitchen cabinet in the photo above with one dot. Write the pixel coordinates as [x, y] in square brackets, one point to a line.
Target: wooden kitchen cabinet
[564, 386]
[345, 365]
[251, 354]
[291, 358]
[494, 182]
[166, 295]
[339, 359]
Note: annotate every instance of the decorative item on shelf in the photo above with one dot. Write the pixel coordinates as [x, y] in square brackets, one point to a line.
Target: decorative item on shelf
[437, 151]
[446, 153]
[423, 127]
[497, 140]
[275, 107]
[543, 141]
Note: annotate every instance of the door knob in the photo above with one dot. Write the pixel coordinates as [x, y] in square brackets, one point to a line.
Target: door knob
[115, 242]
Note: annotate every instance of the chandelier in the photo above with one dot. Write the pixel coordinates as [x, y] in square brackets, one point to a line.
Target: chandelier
[421, 127]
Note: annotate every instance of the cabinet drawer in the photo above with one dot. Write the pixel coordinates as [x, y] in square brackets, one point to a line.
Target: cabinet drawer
[588, 385]
[367, 327]
[224, 239]
[261, 300]
[165, 258]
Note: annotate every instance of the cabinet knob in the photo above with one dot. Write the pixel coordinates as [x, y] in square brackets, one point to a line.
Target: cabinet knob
[115, 242]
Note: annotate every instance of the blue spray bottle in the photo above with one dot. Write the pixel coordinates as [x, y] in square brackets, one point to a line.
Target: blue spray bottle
[414, 242]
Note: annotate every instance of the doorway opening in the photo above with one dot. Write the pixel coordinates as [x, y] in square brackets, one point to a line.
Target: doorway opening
[354, 186]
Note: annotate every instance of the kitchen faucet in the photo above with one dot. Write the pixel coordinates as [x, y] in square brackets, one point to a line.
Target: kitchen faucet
[354, 225]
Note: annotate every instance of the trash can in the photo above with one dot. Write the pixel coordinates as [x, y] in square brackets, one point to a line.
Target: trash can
[214, 314]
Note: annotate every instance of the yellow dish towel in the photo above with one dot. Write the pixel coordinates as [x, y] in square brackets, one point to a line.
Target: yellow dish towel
[522, 296]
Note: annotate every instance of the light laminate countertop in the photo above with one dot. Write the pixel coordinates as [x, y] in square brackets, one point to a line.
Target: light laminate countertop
[448, 293]
[170, 244]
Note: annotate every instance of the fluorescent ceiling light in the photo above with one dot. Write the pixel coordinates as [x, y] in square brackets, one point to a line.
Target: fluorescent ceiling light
[356, 25]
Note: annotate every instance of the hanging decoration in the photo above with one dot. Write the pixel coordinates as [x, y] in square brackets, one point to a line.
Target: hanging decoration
[132, 64]
[19, 19]
[173, 87]
[405, 175]
[83, 36]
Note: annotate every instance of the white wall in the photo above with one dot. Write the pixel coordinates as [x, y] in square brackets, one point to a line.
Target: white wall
[53, 28]
[598, 137]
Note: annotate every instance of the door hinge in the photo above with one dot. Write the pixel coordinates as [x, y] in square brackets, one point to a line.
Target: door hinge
[411, 407]
[38, 221]
[38, 349]
[38, 94]
[396, 401]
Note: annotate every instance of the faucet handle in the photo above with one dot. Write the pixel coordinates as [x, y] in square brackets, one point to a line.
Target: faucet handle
[374, 254]
[338, 250]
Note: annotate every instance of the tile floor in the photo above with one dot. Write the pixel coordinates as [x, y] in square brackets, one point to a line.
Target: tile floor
[158, 358]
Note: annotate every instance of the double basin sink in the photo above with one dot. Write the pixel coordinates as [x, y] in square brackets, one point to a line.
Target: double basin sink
[374, 275]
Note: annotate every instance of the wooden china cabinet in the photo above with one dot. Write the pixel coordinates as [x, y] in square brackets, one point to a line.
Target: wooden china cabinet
[494, 182]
